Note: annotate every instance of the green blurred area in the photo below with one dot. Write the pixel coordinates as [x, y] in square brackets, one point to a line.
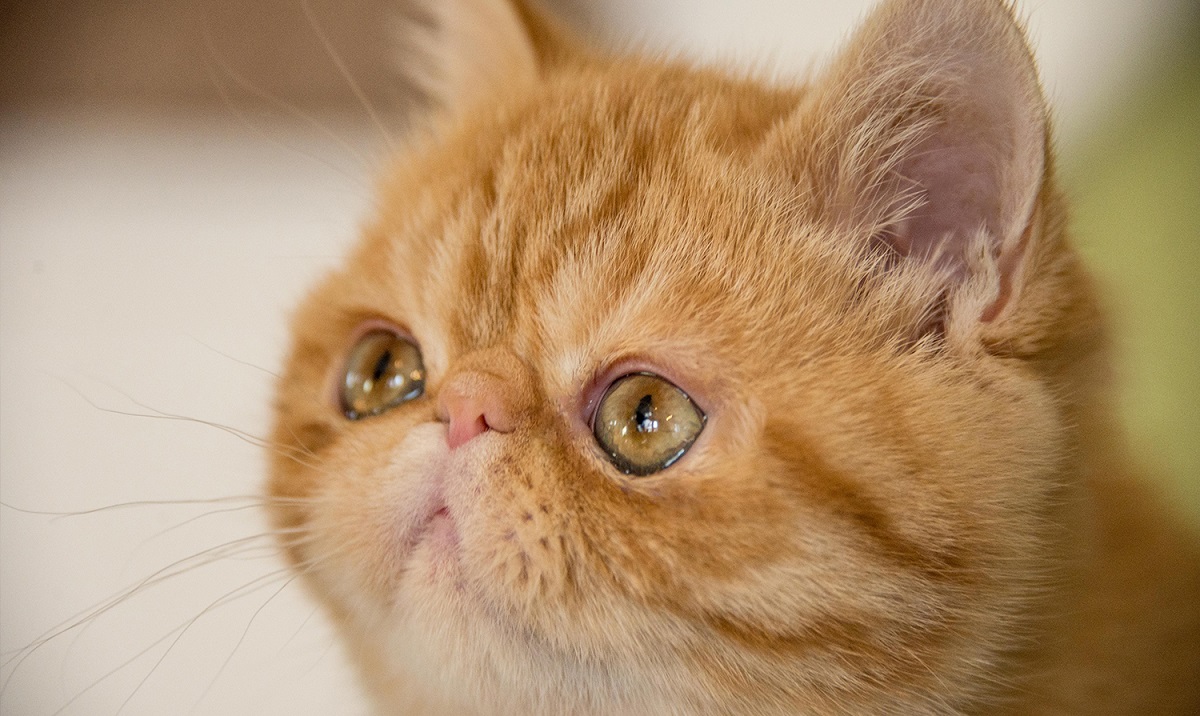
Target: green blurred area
[1135, 186]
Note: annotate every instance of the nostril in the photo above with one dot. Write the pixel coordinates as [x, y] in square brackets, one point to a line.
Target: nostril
[473, 402]
[463, 427]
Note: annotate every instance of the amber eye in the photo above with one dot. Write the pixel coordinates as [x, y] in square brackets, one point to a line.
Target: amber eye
[646, 423]
[383, 370]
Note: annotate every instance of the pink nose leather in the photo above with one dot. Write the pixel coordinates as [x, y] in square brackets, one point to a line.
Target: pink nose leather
[471, 413]
[490, 389]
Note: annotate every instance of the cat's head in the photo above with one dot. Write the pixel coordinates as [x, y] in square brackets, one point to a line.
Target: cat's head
[652, 388]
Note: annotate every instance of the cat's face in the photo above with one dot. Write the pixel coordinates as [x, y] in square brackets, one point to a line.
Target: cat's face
[851, 515]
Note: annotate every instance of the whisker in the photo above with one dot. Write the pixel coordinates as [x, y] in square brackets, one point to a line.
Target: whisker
[284, 106]
[136, 503]
[288, 451]
[242, 639]
[154, 413]
[196, 518]
[248, 364]
[174, 569]
[341, 66]
[182, 630]
[299, 629]
[245, 552]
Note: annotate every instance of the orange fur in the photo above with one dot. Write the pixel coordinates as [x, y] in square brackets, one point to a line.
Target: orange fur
[910, 496]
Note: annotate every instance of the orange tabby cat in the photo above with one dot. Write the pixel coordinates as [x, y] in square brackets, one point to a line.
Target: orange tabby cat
[658, 390]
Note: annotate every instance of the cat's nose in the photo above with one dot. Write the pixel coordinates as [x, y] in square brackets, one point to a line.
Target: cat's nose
[471, 405]
[487, 391]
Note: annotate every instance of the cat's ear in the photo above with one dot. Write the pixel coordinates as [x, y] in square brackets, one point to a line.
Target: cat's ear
[456, 53]
[928, 134]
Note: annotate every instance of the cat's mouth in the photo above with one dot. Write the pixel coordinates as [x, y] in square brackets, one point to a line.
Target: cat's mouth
[434, 527]
[439, 534]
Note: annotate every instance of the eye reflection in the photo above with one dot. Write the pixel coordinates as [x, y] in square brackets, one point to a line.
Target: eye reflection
[645, 423]
[383, 370]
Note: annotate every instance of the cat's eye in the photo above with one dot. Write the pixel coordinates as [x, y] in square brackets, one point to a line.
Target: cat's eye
[645, 423]
[383, 370]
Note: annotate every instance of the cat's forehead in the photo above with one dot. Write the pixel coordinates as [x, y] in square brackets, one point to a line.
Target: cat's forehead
[629, 214]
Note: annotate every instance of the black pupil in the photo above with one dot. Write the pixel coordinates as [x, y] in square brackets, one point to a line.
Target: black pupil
[381, 365]
[643, 415]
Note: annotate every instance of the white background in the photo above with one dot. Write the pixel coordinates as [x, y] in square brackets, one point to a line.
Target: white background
[148, 262]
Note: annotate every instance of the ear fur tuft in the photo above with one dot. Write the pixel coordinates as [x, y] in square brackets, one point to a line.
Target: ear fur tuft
[931, 137]
[457, 53]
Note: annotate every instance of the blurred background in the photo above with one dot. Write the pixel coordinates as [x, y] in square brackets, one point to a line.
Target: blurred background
[172, 177]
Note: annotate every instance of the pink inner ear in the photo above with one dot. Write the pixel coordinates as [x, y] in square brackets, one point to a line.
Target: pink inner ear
[930, 135]
[945, 129]
[958, 193]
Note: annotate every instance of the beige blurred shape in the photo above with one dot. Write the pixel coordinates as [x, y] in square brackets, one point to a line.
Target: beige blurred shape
[187, 51]
[149, 51]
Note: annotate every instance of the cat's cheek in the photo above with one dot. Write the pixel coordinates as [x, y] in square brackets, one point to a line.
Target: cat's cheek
[516, 503]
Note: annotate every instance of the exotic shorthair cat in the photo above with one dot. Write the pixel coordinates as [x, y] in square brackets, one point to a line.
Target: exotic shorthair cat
[653, 389]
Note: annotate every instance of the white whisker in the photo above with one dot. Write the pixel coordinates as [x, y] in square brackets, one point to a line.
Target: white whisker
[182, 629]
[278, 103]
[237, 360]
[170, 571]
[154, 413]
[341, 66]
[242, 639]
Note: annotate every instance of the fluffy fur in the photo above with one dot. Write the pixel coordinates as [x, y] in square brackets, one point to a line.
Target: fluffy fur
[910, 496]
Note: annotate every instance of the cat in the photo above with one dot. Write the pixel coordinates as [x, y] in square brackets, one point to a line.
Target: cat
[659, 389]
